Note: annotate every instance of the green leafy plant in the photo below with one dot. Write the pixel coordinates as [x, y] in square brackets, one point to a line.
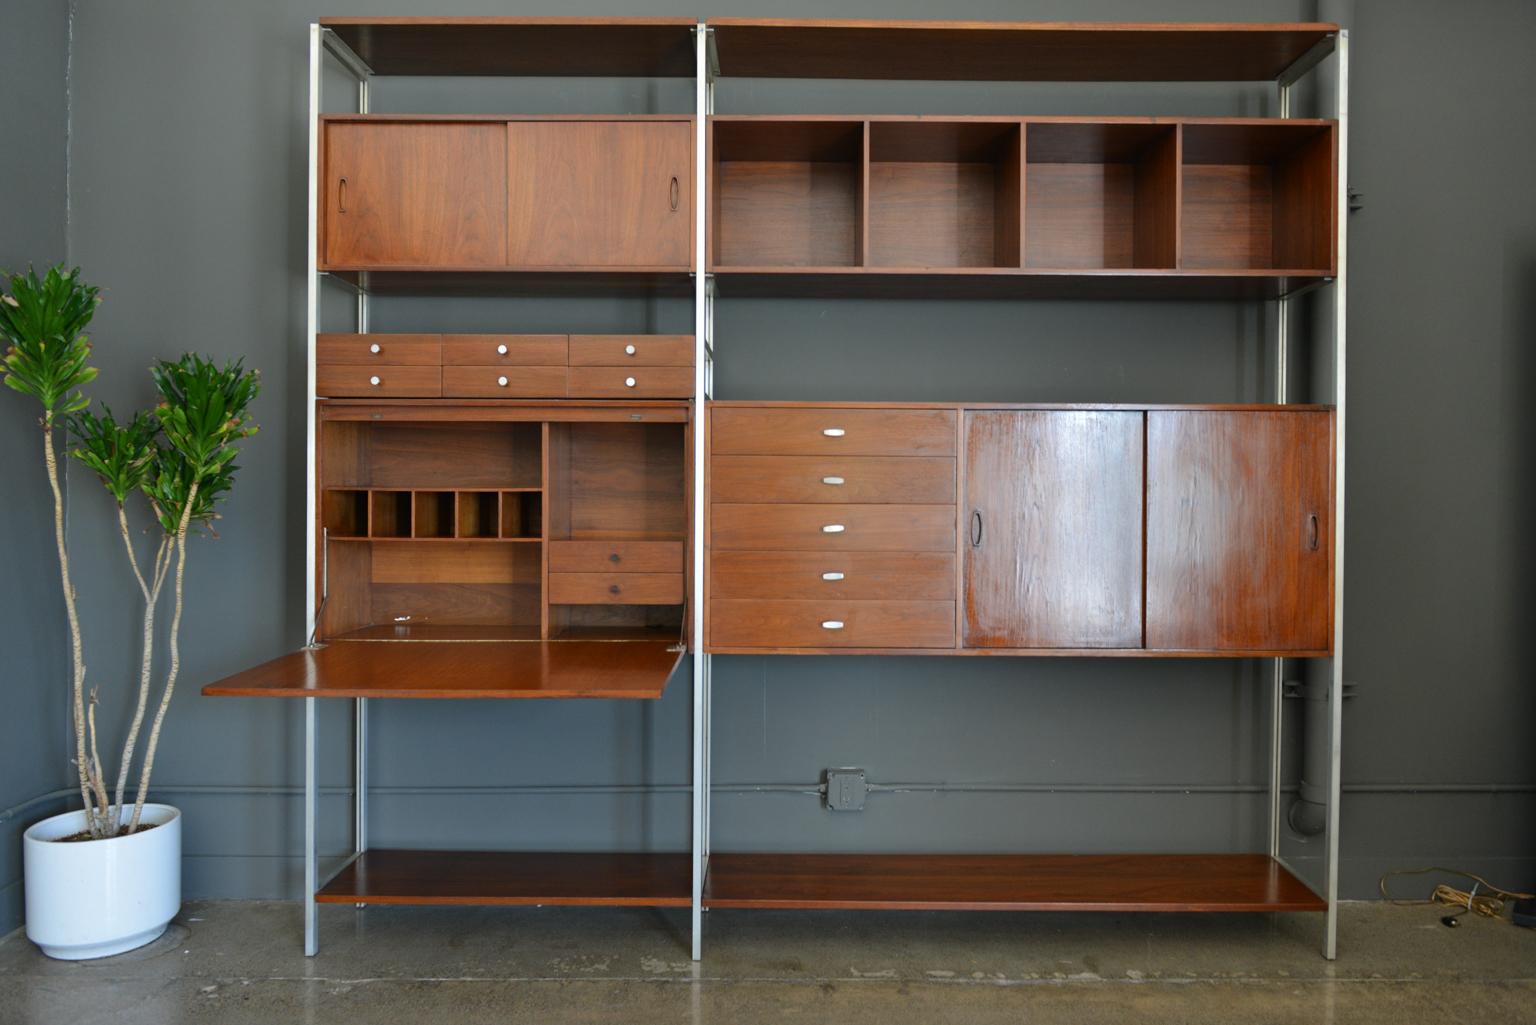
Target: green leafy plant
[179, 457]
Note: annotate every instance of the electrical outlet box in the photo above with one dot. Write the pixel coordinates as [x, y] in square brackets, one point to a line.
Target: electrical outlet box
[846, 789]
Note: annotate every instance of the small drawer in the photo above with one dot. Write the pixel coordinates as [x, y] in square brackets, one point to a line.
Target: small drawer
[345, 381]
[378, 350]
[833, 575]
[631, 382]
[631, 350]
[504, 350]
[744, 623]
[833, 528]
[616, 557]
[879, 479]
[504, 382]
[616, 588]
[774, 431]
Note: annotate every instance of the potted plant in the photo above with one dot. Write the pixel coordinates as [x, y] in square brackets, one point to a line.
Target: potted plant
[107, 878]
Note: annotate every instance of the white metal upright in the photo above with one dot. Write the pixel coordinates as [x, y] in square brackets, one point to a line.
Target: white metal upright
[312, 319]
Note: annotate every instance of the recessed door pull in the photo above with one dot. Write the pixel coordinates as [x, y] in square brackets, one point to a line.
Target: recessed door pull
[1312, 534]
[674, 193]
[341, 196]
[833, 528]
[832, 624]
[834, 481]
[834, 575]
[976, 528]
[833, 432]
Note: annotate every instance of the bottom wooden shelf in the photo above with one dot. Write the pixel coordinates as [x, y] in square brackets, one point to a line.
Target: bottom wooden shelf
[1007, 882]
[500, 877]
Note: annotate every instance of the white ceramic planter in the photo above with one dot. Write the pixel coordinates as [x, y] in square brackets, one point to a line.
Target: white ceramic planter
[101, 897]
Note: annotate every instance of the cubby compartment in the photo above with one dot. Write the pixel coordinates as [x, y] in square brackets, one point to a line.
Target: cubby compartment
[521, 514]
[617, 481]
[1259, 196]
[344, 513]
[1101, 196]
[390, 514]
[433, 514]
[410, 455]
[786, 193]
[944, 194]
[477, 514]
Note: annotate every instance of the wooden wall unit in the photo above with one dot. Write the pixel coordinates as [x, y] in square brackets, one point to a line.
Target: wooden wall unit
[1094, 530]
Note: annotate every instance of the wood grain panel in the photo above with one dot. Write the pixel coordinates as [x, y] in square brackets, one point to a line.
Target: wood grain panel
[1239, 541]
[599, 193]
[415, 194]
[344, 380]
[864, 479]
[486, 455]
[616, 556]
[449, 562]
[912, 576]
[787, 213]
[393, 349]
[895, 528]
[505, 382]
[1079, 216]
[615, 588]
[743, 430]
[521, 350]
[458, 605]
[1228, 217]
[649, 350]
[747, 623]
[1054, 556]
[615, 382]
[512, 878]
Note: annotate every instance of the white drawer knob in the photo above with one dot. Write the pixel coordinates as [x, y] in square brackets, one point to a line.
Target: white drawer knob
[834, 481]
[375, 349]
[832, 624]
[501, 350]
[832, 528]
[629, 382]
[501, 381]
[375, 381]
[629, 350]
[832, 576]
[833, 432]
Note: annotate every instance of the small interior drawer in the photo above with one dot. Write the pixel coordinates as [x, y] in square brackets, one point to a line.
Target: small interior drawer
[632, 350]
[616, 557]
[616, 588]
[631, 382]
[378, 350]
[350, 381]
[505, 350]
[503, 382]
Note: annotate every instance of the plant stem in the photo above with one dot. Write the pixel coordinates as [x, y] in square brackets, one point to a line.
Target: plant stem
[175, 664]
[146, 661]
[77, 663]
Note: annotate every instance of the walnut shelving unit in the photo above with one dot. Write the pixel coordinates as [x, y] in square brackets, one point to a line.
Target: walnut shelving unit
[792, 205]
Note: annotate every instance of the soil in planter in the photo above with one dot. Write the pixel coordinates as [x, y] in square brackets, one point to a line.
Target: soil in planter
[84, 835]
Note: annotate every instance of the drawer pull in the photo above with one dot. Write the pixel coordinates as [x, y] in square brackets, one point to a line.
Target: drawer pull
[833, 481]
[629, 350]
[834, 575]
[832, 624]
[502, 381]
[833, 528]
[375, 381]
[629, 382]
[613, 588]
[613, 557]
[833, 432]
[375, 348]
[501, 350]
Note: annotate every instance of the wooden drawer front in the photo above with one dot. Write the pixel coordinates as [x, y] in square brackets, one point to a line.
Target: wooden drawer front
[616, 588]
[504, 382]
[616, 557]
[505, 350]
[843, 432]
[833, 575]
[878, 479]
[391, 382]
[745, 623]
[379, 350]
[631, 382]
[814, 528]
[631, 350]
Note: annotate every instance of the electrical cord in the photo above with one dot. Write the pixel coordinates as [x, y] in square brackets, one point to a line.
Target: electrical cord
[1483, 898]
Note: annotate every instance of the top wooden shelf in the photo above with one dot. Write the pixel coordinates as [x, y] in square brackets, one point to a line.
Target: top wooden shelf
[539, 47]
[1012, 51]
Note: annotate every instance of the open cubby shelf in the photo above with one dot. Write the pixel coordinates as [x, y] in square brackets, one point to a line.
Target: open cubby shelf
[1214, 203]
[361, 514]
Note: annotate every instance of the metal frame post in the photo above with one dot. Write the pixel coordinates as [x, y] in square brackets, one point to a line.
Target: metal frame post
[1277, 666]
[702, 350]
[312, 282]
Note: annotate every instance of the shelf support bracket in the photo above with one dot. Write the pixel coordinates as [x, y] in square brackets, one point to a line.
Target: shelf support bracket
[1298, 69]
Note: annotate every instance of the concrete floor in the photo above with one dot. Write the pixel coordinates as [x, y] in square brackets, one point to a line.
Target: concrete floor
[237, 962]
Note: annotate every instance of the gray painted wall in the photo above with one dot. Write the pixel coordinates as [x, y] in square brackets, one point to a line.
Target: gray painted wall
[34, 115]
[187, 188]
